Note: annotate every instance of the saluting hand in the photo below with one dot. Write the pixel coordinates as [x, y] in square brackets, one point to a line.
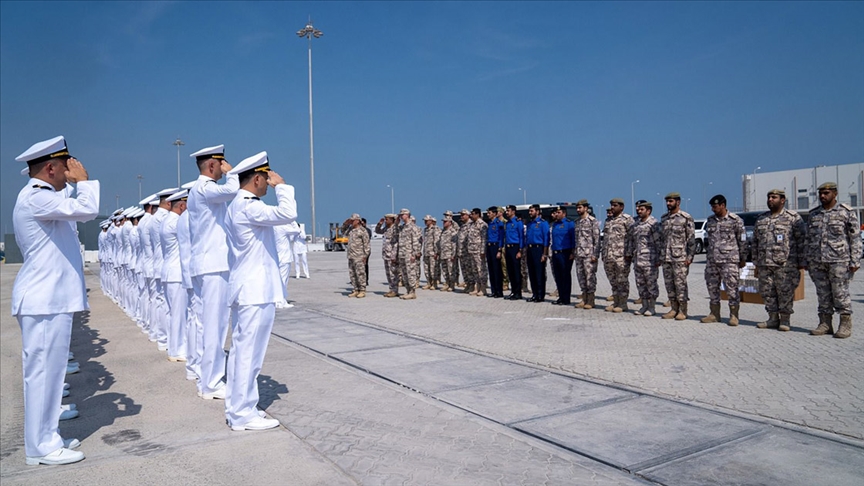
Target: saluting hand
[75, 171]
[274, 179]
[225, 166]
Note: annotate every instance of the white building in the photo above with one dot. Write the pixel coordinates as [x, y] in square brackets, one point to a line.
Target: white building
[800, 186]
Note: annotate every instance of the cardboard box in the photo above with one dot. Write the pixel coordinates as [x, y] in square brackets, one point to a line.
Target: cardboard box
[754, 297]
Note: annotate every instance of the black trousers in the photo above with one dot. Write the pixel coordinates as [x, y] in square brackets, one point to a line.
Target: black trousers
[562, 267]
[496, 275]
[514, 269]
[537, 272]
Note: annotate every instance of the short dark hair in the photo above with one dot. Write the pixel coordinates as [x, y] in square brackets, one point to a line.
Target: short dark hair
[245, 176]
[476, 211]
[535, 206]
[511, 206]
[493, 209]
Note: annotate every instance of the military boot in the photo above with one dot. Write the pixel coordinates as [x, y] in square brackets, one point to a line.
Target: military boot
[428, 286]
[409, 296]
[682, 311]
[353, 293]
[621, 305]
[773, 321]
[589, 304]
[641, 311]
[638, 300]
[611, 307]
[611, 298]
[582, 303]
[733, 315]
[784, 323]
[649, 309]
[713, 314]
[668, 303]
[361, 294]
[391, 294]
[825, 325]
[673, 311]
[845, 329]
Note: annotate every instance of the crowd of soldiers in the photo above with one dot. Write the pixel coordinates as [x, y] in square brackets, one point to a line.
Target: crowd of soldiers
[503, 247]
[184, 265]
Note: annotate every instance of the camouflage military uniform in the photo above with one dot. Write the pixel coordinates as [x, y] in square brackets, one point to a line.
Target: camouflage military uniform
[613, 250]
[778, 252]
[388, 253]
[431, 236]
[644, 253]
[726, 248]
[447, 254]
[475, 242]
[833, 245]
[358, 252]
[678, 245]
[464, 257]
[587, 249]
[409, 253]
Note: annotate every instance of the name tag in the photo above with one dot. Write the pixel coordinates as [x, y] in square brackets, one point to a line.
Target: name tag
[779, 238]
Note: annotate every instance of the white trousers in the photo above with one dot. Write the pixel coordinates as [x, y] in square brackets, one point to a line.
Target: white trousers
[285, 273]
[45, 350]
[300, 261]
[194, 331]
[177, 306]
[212, 289]
[251, 326]
[158, 313]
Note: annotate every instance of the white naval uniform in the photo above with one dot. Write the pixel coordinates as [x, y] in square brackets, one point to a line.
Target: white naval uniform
[49, 288]
[194, 346]
[172, 281]
[285, 234]
[254, 287]
[300, 262]
[158, 307]
[145, 262]
[207, 205]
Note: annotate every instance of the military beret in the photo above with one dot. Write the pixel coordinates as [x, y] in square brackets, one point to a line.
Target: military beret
[616, 200]
[404, 211]
[644, 204]
[355, 216]
[673, 195]
[465, 211]
[582, 202]
[779, 192]
[390, 215]
[718, 199]
[828, 185]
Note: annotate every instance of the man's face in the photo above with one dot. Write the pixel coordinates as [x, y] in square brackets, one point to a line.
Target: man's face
[464, 217]
[429, 223]
[827, 196]
[389, 221]
[491, 215]
[355, 223]
[533, 213]
[776, 202]
[475, 216]
[558, 215]
[405, 218]
[511, 213]
[617, 208]
[581, 210]
[447, 224]
[718, 209]
[672, 204]
[642, 212]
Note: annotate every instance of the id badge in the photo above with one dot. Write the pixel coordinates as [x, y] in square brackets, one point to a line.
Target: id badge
[779, 238]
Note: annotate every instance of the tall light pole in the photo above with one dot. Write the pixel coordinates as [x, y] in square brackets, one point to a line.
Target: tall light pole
[753, 187]
[178, 143]
[524, 196]
[392, 205]
[309, 32]
[117, 196]
[704, 210]
[633, 192]
[140, 177]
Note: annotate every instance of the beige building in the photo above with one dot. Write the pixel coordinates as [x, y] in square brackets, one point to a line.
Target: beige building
[800, 186]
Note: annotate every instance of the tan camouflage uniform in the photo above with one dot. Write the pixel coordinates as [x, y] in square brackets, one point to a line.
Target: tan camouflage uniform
[678, 246]
[388, 253]
[431, 236]
[587, 248]
[645, 238]
[464, 257]
[409, 254]
[777, 249]
[476, 246]
[726, 248]
[447, 254]
[613, 251]
[358, 252]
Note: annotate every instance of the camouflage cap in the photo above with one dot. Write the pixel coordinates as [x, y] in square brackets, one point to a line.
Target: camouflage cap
[673, 195]
[827, 185]
[465, 212]
[779, 192]
[355, 216]
[644, 204]
[616, 200]
[390, 215]
[448, 213]
[718, 199]
[428, 217]
[404, 211]
[582, 202]
[447, 219]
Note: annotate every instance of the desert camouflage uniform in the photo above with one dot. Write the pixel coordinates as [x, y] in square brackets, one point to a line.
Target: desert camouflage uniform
[431, 236]
[644, 250]
[587, 247]
[778, 251]
[446, 254]
[726, 248]
[475, 241]
[678, 245]
[833, 245]
[613, 250]
[388, 253]
[409, 252]
[464, 258]
[358, 252]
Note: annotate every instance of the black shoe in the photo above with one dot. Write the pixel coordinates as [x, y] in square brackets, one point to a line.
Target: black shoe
[531, 299]
[556, 302]
[499, 295]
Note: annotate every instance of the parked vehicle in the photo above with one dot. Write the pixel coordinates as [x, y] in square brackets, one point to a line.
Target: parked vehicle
[701, 236]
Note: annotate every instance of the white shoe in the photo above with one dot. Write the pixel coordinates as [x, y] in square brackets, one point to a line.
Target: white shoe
[71, 357]
[287, 306]
[69, 406]
[257, 423]
[65, 394]
[191, 376]
[162, 347]
[71, 443]
[66, 386]
[58, 457]
[177, 359]
[72, 368]
[219, 394]
[68, 414]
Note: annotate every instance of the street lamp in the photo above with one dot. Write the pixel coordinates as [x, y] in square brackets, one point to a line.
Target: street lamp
[309, 32]
[140, 177]
[633, 192]
[524, 196]
[117, 196]
[178, 143]
[753, 186]
[704, 210]
[392, 206]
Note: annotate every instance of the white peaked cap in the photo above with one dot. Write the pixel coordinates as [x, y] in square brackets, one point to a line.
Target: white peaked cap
[105, 223]
[147, 200]
[25, 171]
[258, 160]
[154, 202]
[214, 150]
[139, 213]
[131, 209]
[168, 191]
[48, 149]
[178, 195]
[189, 184]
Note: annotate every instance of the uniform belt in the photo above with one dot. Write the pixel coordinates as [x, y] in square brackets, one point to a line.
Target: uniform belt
[493, 244]
[535, 245]
[555, 252]
[511, 245]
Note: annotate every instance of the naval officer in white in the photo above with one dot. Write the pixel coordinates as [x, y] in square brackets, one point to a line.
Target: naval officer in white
[207, 205]
[255, 284]
[49, 288]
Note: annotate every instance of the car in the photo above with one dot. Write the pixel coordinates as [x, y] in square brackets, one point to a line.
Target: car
[701, 236]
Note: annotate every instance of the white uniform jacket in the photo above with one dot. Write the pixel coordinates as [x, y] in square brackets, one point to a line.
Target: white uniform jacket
[155, 230]
[170, 249]
[145, 261]
[207, 204]
[185, 246]
[253, 260]
[51, 280]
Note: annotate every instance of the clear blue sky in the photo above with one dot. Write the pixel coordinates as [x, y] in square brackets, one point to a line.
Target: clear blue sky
[454, 104]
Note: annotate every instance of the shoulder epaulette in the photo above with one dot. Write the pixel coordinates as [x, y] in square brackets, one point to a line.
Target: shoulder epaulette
[845, 206]
[41, 187]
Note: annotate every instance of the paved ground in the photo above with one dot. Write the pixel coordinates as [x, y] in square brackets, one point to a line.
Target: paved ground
[357, 414]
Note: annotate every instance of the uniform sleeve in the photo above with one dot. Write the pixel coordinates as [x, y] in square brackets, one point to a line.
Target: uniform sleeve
[657, 236]
[595, 237]
[854, 232]
[219, 193]
[47, 206]
[367, 247]
[799, 240]
[285, 212]
[741, 238]
[572, 230]
[380, 228]
[546, 233]
[691, 238]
